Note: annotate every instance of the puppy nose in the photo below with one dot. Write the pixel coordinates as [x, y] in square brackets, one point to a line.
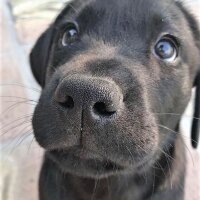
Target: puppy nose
[100, 96]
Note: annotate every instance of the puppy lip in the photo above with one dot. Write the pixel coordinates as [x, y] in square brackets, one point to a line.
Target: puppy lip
[105, 164]
[94, 167]
[111, 166]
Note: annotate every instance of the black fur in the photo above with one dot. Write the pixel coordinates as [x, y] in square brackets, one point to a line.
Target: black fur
[102, 115]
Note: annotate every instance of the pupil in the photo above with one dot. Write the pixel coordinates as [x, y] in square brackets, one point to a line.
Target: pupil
[165, 49]
[72, 33]
[70, 36]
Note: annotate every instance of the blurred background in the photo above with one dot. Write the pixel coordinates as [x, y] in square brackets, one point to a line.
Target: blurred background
[21, 22]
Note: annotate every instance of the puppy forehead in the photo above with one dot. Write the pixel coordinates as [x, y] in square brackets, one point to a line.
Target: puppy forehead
[115, 20]
[135, 6]
[116, 10]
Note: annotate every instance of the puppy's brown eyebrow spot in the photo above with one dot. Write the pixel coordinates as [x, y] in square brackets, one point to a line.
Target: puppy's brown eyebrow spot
[98, 50]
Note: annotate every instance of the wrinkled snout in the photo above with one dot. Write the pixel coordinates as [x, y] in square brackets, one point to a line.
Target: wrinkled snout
[98, 96]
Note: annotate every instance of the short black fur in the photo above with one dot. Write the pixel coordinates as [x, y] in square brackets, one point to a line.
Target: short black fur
[105, 115]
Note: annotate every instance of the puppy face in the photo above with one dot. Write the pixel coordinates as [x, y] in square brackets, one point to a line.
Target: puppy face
[109, 70]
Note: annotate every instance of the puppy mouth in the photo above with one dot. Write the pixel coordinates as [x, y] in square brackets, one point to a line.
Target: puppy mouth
[96, 165]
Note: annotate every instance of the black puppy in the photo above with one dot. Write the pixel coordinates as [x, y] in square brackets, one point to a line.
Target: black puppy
[112, 72]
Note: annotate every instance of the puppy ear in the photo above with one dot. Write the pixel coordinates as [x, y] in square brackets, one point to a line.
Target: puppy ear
[196, 120]
[195, 132]
[39, 56]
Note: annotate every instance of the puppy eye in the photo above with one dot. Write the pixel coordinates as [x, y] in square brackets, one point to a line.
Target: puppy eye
[70, 35]
[167, 49]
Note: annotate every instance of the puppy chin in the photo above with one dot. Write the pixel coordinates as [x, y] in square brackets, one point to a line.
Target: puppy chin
[96, 166]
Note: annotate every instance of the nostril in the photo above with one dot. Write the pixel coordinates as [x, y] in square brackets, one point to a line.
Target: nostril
[100, 108]
[67, 103]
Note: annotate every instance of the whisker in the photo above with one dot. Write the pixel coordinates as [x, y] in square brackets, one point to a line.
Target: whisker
[166, 154]
[24, 128]
[177, 114]
[15, 142]
[176, 132]
[17, 97]
[183, 140]
[153, 185]
[160, 167]
[18, 119]
[29, 147]
[170, 173]
[13, 106]
[16, 126]
[20, 140]
[21, 85]
[94, 190]
[14, 101]
[129, 152]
